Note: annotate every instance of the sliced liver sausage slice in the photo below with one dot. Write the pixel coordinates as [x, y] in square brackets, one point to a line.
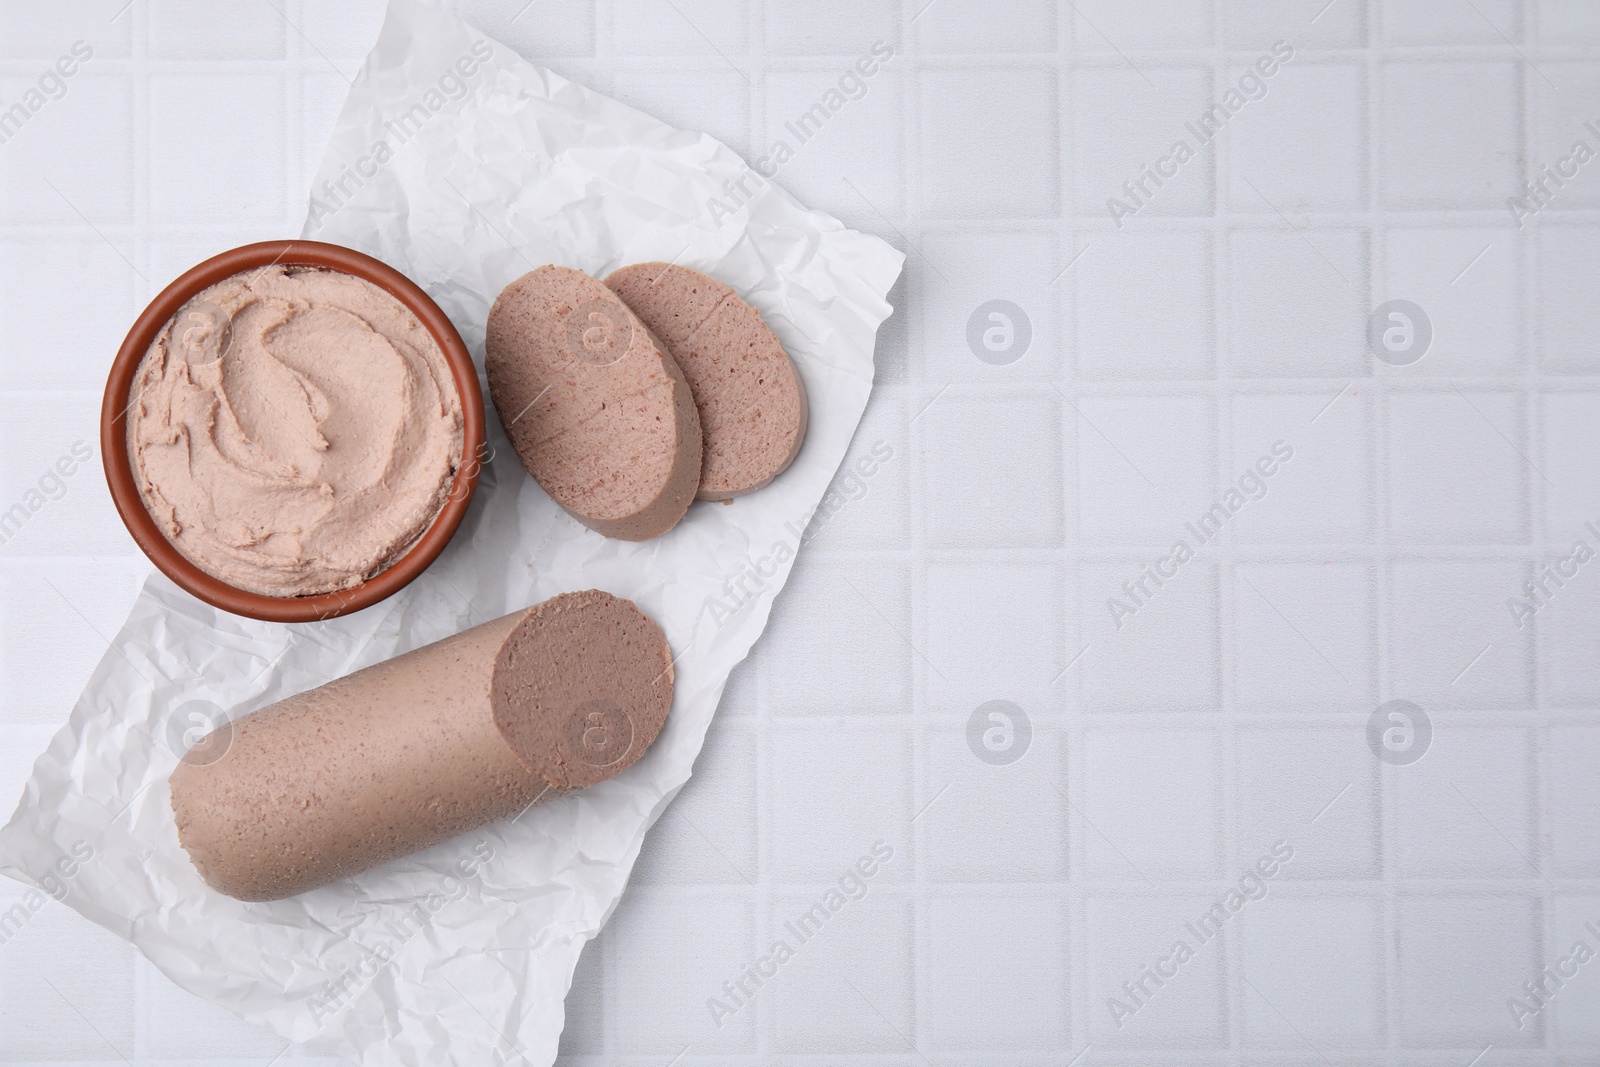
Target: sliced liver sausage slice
[413, 751]
[751, 399]
[596, 408]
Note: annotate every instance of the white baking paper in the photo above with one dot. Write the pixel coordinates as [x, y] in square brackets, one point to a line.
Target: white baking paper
[464, 166]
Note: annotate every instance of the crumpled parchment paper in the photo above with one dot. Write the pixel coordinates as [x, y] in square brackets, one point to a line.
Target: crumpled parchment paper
[464, 166]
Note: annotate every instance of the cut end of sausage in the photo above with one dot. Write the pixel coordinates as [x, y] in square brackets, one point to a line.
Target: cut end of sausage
[597, 409]
[751, 400]
[582, 687]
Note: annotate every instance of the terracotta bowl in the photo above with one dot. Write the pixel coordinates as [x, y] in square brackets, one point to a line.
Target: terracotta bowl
[124, 486]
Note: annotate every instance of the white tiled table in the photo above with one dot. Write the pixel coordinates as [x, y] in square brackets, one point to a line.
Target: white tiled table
[1167, 355]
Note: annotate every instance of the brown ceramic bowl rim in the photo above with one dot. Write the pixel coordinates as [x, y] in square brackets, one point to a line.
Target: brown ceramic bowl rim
[119, 467]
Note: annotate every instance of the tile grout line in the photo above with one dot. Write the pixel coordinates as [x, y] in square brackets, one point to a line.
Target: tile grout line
[1379, 512]
[1535, 508]
[1064, 304]
[139, 32]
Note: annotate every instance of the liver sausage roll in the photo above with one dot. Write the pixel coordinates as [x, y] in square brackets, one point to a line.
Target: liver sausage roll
[410, 752]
